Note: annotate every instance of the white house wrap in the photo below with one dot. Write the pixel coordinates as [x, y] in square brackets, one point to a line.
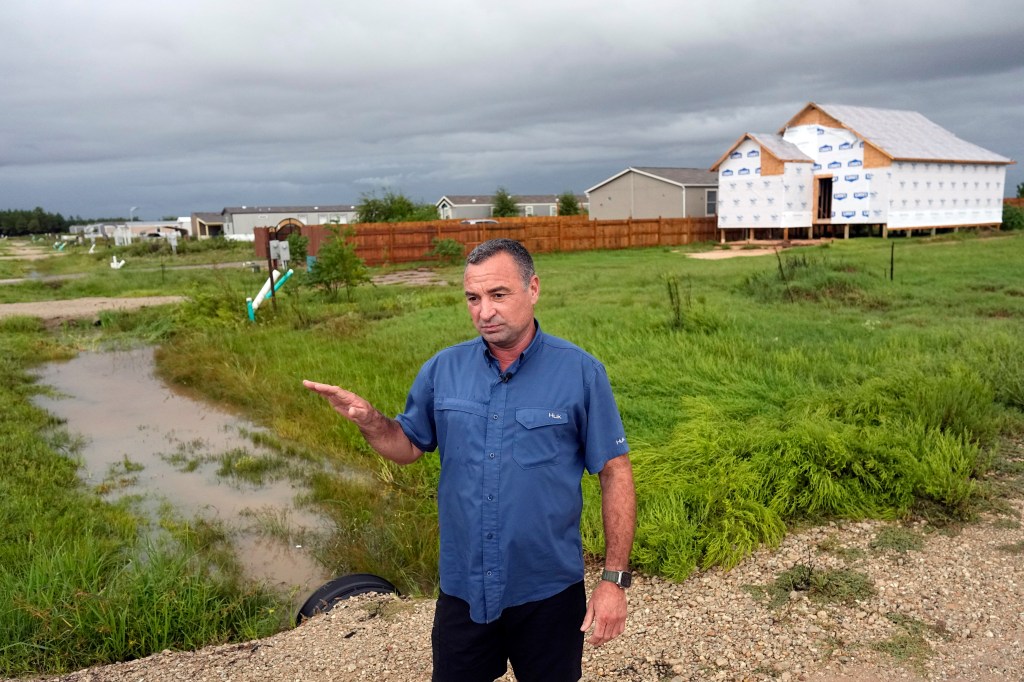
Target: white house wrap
[843, 165]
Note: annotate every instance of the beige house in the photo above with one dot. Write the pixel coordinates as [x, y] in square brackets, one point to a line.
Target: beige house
[651, 192]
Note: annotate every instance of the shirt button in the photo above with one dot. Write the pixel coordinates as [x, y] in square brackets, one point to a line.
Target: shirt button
[490, 497]
[494, 416]
[490, 536]
[488, 573]
[491, 455]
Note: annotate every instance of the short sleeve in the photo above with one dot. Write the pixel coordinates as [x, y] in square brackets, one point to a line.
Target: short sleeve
[606, 437]
[417, 420]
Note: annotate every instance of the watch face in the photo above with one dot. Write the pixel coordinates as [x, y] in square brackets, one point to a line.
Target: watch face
[625, 579]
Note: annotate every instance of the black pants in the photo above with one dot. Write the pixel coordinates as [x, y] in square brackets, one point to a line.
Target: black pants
[541, 639]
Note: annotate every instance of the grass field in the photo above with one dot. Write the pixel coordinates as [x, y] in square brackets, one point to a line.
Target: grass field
[757, 393]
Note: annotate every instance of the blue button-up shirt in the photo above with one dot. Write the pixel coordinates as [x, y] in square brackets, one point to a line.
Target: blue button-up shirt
[513, 446]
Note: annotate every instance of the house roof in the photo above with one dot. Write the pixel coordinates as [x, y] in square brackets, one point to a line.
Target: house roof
[771, 143]
[488, 199]
[216, 218]
[904, 135]
[780, 148]
[323, 208]
[683, 177]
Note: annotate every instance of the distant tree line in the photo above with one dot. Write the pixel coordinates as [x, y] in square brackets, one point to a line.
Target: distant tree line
[19, 222]
[37, 221]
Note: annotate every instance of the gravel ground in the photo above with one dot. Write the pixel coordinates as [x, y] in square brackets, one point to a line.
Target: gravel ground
[954, 608]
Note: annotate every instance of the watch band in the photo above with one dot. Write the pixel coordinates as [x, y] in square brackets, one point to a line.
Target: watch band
[621, 578]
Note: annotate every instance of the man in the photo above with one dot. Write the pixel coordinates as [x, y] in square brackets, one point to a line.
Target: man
[515, 415]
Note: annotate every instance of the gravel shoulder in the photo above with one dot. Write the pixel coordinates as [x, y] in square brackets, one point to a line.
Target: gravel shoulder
[955, 608]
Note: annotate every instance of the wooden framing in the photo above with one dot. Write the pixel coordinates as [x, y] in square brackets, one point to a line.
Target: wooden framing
[771, 164]
[812, 115]
[875, 157]
[816, 197]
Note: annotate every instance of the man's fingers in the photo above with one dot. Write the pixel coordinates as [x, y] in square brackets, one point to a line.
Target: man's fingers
[587, 619]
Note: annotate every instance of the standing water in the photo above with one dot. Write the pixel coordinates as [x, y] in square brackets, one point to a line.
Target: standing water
[136, 435]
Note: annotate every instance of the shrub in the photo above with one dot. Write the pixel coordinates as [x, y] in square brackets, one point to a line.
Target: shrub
[338, 265]
[448, 251]
[1013, 217]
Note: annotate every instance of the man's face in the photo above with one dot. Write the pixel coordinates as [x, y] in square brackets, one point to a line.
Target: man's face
[501, 307]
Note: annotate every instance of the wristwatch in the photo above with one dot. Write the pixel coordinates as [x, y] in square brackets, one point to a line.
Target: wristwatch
[621, 578]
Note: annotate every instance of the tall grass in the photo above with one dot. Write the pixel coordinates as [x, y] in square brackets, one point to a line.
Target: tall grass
[79, 584]
[757, 393]
[753, 398]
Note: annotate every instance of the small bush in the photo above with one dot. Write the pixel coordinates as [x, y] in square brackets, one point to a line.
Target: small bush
[448, 251]
[1013, 217]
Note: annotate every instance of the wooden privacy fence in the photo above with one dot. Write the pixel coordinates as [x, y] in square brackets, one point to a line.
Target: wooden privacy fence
[379, 243]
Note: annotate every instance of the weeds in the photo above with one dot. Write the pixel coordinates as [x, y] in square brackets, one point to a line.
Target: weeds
[909, 645]
[1015, 548]
[833, 586]
[897, 539]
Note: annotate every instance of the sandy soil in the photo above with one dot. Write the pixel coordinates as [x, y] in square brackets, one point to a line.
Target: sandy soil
[76, 308]
[750, 249]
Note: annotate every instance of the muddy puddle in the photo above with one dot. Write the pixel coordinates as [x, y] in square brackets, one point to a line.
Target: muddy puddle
[139, 438]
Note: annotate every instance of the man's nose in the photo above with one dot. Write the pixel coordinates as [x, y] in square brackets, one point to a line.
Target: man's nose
[486, 309]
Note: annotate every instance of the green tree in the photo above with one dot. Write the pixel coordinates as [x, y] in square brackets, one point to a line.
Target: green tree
[392, 208]
[568, 204]
[37, 221]
[337, 265]
[1020, 190]
[298, 247]
[504, 204]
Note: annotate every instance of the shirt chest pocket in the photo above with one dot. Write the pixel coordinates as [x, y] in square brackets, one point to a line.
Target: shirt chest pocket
[543, 437]
[460, 426]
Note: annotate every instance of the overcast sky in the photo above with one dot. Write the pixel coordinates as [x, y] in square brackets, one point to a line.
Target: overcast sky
[193, 105]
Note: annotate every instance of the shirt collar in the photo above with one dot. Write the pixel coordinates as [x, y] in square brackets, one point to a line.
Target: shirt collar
[531, 349]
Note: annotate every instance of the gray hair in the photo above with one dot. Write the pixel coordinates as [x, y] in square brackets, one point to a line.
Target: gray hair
[492, 247]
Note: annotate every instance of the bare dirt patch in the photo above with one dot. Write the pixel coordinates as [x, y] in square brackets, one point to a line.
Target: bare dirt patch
[24, 252]
[76, 308]
[419, 276]
[750, 249]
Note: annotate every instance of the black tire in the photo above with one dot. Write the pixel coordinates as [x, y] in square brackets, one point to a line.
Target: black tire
[338, 589]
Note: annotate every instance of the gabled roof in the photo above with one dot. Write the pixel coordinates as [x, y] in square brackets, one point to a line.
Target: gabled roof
[772, 144]
[780, 148]
[903, 135]
[215, 218]
[682, 177]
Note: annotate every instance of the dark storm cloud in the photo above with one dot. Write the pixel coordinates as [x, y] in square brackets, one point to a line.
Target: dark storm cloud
[178, 107]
